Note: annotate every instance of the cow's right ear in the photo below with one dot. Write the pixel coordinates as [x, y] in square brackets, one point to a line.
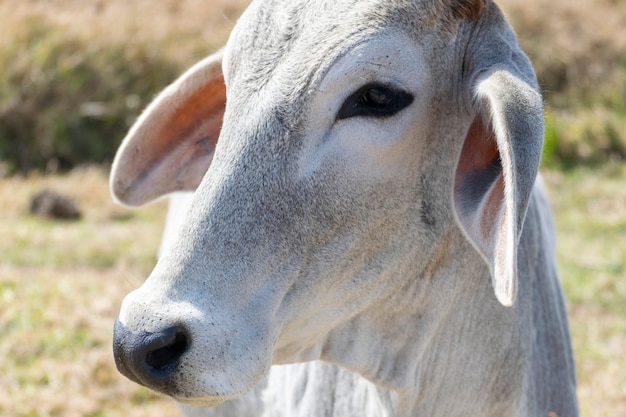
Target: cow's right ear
[171, 145]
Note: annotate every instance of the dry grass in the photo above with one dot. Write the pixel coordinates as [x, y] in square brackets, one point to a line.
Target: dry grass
[574, 44]
[175, 27]
[56, 345]
[61, 283]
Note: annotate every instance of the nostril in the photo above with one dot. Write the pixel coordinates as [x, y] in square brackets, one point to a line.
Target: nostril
[167, 349]
[150, 358]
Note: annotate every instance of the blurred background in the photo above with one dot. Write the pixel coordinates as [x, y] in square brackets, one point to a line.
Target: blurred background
[75, 74]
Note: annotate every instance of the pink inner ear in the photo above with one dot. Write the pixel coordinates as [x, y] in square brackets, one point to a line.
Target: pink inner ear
[172, 148]
[183, 144]
[479, 186]
[480, 150]
[203, 112]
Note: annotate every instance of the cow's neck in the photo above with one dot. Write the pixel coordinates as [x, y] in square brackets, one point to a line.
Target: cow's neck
[428, 349]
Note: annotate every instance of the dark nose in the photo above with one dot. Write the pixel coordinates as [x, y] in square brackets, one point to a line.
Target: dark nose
[149, 359]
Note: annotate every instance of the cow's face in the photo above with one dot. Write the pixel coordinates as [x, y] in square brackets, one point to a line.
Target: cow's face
[328, 191]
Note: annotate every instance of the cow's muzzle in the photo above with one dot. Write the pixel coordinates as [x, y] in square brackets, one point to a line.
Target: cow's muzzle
[150, 359]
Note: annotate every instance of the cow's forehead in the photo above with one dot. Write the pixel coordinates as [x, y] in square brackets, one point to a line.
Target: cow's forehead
[296, 40]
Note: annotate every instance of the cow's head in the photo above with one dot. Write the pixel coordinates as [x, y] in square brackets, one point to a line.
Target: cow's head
[333, 145]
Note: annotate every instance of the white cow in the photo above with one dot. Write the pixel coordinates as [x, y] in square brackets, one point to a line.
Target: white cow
[372, 184]
[249, 405]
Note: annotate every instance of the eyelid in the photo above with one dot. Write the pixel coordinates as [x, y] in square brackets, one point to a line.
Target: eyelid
[354, 106]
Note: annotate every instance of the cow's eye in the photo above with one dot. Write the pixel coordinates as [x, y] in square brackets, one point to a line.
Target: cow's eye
[375, 100]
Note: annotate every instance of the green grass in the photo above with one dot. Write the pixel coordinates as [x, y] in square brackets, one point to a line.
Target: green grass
[61, 284]
[592, 222]
[43, 243]
[70, 99]
[71, 86]
[590, 208]
[578, 50]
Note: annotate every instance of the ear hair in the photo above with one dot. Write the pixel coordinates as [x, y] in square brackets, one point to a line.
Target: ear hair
[467, 9]
[496, 172]
[171, 145]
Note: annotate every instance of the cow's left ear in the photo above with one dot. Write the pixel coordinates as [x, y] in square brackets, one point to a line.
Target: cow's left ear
[497, 169]
[170, 147]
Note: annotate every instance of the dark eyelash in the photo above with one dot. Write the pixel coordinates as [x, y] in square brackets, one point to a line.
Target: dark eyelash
[375, 100]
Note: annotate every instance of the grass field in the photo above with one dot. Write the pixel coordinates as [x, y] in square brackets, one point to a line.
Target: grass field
[61, 283]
